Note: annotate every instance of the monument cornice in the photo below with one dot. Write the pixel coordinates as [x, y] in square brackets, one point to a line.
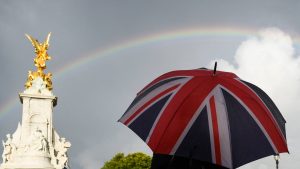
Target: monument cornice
[54, 98]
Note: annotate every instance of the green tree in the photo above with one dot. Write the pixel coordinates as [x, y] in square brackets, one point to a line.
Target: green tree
[131, 161]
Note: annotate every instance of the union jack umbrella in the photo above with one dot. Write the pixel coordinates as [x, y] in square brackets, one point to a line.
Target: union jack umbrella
[206, 115]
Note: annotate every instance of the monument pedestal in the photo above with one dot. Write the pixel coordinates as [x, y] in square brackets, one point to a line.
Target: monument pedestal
[33, 161]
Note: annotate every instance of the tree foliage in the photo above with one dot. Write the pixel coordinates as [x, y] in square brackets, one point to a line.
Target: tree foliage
[131, 161]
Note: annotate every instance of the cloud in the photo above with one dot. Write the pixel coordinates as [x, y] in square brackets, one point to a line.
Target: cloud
[269, 61]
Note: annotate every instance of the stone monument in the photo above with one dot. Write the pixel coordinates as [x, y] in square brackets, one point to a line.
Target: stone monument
[35, 144]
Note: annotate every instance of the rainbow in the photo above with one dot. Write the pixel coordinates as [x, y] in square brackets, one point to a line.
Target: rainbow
[169, 35]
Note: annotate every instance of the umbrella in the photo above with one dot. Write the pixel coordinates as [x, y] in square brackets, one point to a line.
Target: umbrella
[207, 115]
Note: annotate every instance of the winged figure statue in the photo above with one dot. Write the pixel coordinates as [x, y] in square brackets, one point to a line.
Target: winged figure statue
[41, 51]
[40, 61]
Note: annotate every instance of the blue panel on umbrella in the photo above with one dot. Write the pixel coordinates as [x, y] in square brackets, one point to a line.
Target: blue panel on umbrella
[143, 124]
[247, 140]
[270, 104]
[196, 143]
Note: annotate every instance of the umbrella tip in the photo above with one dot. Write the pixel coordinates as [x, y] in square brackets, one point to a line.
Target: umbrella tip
[215, 68]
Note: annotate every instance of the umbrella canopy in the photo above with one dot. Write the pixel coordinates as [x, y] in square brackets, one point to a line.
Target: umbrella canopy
[209, 116]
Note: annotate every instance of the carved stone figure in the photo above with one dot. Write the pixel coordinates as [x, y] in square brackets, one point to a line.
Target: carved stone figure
[8, 149]
[38, 141]
[59, 153]
[62, 152]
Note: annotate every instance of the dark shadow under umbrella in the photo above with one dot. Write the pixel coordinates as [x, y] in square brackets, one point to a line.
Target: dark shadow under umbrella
[161, 161]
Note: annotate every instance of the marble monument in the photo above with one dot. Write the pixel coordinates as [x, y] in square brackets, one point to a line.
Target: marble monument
[36, 144]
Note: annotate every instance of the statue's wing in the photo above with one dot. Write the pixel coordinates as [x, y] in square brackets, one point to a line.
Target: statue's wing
[47, 40]
[34, 42]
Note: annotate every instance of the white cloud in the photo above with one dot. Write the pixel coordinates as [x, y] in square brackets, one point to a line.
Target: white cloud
[270, 62]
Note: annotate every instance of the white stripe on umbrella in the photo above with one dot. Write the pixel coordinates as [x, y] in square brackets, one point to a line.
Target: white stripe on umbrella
[223, 123]
[211, 133]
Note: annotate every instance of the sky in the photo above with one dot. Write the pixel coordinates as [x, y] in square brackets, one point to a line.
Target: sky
[104, 52]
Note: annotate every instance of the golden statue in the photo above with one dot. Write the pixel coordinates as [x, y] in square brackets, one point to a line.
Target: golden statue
[40, 62]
